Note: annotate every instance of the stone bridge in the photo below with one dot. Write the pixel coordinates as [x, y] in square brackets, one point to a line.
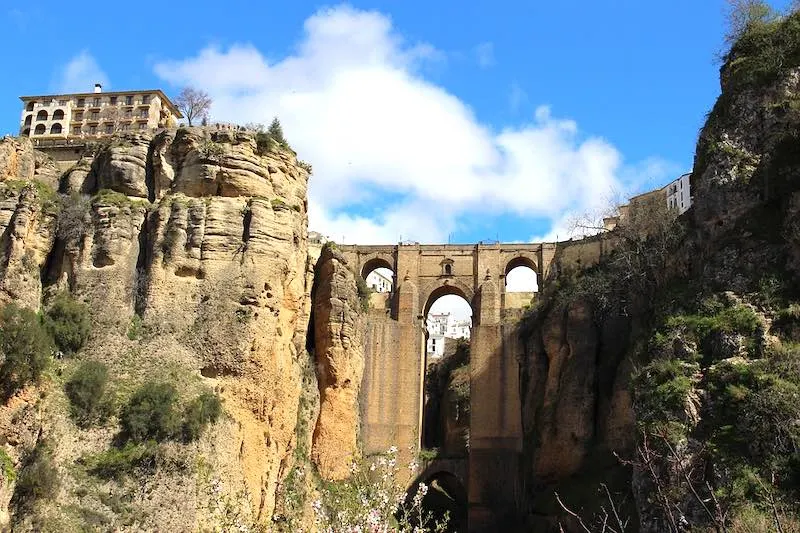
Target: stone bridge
[392, 389]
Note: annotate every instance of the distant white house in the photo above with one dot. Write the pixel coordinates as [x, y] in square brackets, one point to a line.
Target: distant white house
[679, 195]
[444, 326]
[378, 281]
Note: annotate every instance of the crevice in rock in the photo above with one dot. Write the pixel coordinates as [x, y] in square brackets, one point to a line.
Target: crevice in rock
[247, 218]
[149, 179]
[141, 280]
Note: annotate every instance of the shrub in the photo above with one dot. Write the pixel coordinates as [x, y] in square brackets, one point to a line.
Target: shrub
[87, 394]
[73, 222]
[117, 462]
[39, 479]
[7, 467]
[150, 413]
[68, 322]
[661, 389]
[201, 411]
[135, 327]
[364, 292]
[26, 348]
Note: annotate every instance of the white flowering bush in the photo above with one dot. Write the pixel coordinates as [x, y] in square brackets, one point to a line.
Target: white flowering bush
[372, 500]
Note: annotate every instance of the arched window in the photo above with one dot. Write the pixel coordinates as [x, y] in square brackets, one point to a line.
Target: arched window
[58, 114]
[28, 120]
[55, 129]
[29, 107]
[26, 132]
[41, 115]
[40, 129]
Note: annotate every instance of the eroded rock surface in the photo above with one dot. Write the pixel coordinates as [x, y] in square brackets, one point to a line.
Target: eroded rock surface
[191, 251]
[339, 351]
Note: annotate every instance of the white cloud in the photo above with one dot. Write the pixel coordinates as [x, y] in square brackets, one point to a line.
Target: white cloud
[484, 53]
[80, 74]
[394, 154]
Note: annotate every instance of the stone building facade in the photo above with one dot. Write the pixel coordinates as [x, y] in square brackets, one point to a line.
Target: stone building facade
[62, 117]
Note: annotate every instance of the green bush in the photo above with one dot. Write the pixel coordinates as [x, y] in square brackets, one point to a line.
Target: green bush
[201, 411]
[660, 391]
[117, 462]
[737, 319]
[364, 292]
[68, 322]
[38, 479]
[7, 467]
[26, 348]
[150, 413]
[87, 393]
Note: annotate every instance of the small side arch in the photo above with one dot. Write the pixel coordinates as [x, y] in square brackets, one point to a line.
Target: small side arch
[375, 263]
[521, 260]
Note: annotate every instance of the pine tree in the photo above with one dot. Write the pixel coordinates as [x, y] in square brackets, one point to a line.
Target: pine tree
[275, 131]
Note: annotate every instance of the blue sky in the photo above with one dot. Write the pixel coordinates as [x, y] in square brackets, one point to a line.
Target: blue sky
[433, 121]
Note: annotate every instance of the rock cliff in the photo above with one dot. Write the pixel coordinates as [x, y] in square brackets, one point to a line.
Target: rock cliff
[190, 249]
[690, 376]
[339, 351]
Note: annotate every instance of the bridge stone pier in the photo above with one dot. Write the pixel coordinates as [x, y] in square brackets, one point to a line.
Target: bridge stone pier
[392, 389]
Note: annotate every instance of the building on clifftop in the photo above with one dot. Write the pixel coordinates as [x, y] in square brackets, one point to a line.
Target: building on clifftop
[59, 118]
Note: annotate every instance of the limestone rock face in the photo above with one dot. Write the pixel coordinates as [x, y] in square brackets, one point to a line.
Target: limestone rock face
[27, 236]
[576, 406]
[193, 259]
[339, 351]
[121, 165]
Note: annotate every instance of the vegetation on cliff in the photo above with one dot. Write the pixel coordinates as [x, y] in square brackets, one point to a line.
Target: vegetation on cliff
[704, 312]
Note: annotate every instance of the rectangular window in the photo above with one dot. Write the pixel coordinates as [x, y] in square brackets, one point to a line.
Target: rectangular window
[95, 115]
[96, 102]
[76, 130]
[681, 184]
[128, 114]
[92, 130]
[113, 100]
[109, 128]
[144, 113]
[81, 102]
[142, 126]
[78, 116]
[145, 98]
[129, 100]
[125, 127]
[62, 102]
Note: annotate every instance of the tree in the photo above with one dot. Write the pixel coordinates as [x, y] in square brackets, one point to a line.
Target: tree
[276, 132]
[743, 15]
[25, 348]
[193, 103]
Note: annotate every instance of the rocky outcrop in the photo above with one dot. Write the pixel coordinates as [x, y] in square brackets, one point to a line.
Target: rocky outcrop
[339, 352]
[191, 250]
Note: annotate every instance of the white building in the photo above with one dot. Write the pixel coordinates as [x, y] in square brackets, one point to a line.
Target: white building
[444, 326]
[379, 282]
[679, 194]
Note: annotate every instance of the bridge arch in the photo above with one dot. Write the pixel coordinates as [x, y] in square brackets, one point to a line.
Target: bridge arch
[436, 290]
[446, 492]
[521, 260]
[375, 263]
